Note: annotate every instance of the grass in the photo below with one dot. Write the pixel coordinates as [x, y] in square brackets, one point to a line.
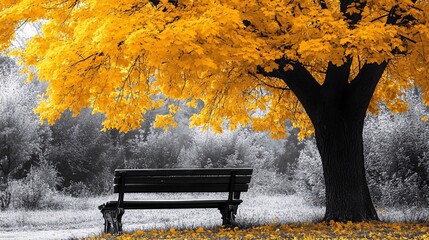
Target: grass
[79, 213]
[76, 213]
[83, 213]
[258, 214]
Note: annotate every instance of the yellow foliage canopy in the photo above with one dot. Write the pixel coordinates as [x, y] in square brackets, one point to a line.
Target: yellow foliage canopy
[118, 57]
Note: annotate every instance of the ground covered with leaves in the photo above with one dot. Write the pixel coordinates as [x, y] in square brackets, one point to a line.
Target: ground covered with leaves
[323, 230]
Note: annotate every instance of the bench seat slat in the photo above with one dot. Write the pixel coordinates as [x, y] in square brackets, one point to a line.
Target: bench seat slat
[173, 204]
[181, 171]
[182, 179]
[129, 188]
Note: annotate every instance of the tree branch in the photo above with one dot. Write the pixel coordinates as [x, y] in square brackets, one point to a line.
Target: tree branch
[362, 88]
[300, 81]
[353, 17]
[156, 2]
[378, 18]
[267, 84]
[323, 4]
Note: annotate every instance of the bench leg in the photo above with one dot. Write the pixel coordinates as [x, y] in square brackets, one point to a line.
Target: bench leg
[107, 225]
[228, 215]
[119, 215]
[113, 220]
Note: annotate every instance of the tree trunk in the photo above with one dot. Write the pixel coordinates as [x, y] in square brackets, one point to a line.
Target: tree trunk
[337, 109]
[340, 145]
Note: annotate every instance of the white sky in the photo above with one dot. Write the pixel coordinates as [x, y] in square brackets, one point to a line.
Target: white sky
[25, 32]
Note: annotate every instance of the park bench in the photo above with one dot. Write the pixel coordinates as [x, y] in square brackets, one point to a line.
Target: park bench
[229, 180]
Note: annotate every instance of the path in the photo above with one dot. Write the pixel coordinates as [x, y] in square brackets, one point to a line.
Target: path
[50, 234]
[59, 234]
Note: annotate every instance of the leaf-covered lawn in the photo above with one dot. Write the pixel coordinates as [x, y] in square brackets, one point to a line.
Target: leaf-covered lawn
[323, 230]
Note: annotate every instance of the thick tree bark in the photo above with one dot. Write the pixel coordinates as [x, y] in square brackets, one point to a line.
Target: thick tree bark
[337, 109]
[338, 122]
[340, 145]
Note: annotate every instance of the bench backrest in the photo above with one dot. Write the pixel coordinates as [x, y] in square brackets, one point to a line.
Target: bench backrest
[182, 180]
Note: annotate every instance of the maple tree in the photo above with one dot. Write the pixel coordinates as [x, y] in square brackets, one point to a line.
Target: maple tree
[323, 64]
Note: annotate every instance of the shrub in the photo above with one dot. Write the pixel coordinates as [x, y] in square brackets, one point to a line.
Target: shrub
[5, 196]
[270, 182]
[77, 189]
[156, 149]
[102, 182]
[287, 153]
[309, 181]
[240, 148]
[29, 192]
[397, 156]
[47, 173]
[210, 150]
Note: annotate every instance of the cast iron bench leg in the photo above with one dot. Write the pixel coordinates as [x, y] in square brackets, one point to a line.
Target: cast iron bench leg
[113, 220]
[228, 215]
[106, 216]
[120, 212]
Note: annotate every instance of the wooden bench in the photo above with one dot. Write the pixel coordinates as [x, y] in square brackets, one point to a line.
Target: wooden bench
[232, 181]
